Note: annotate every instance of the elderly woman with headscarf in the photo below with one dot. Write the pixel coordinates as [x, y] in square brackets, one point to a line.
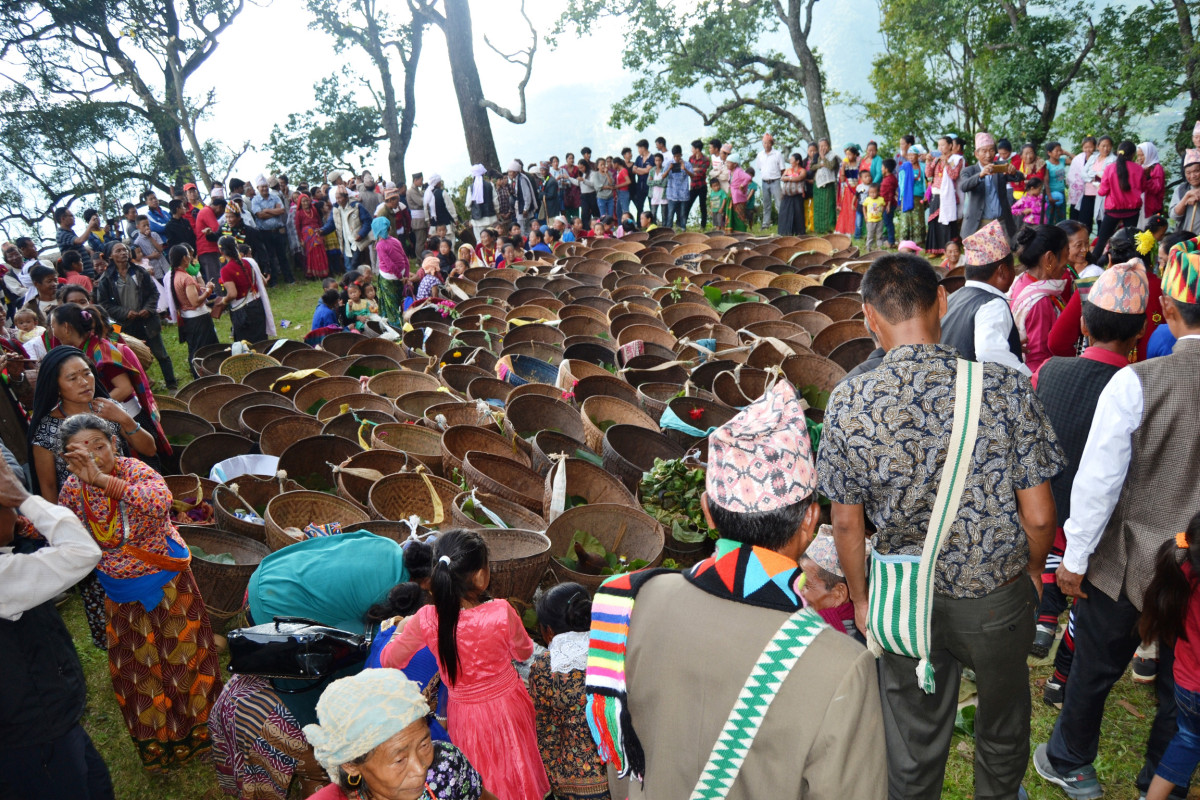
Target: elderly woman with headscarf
[374, 741]
[394, 270]
[824, 189]
[308, 224]
[481, 201]
[1154, 182]
[439, 209]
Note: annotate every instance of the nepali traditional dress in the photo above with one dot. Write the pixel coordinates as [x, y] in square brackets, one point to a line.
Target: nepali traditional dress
[847, 199]
[394, 269]
[308, 226]
[825, 195]
[161, 658]
[945, 213]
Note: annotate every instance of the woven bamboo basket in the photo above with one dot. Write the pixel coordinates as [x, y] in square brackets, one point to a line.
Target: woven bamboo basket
[653, 398]
[308, 359]
[348, 425]
[207, 403]
[205, 451]
[589, 482]
[838, 333]
[540, 389]
[308, 461]
[230, 415]
[812, 370]
[253, 419]
[401, 382]
[166, 402]
[278, 435]
[849, 355]
[238, 367]
[504, 477]
[547, 444]
[378, 347]
[223, 586]
[400, 496]
[357, 488]
[629, 451]
[517, 560]
[628, 532]
[471, 412]
[492, 391]
[313, 396]
[176, 424]
[601, 409]
[606, 386]
[340, 343]
[462, 439]
[370, 365]
[712, 415]
[189, 492]
[398, 532]
[842, 307]
[355, 401]
[257, 492]
[459, 376]
[529, 414]
[420, 443]
[299, 509]
[411, 407]
[260, 380]
[512, 514]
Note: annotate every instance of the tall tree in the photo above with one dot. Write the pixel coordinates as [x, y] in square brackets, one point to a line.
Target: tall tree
[371, 26]
[1187, 17]
[339, 133]
[721, 49]
[473, 106]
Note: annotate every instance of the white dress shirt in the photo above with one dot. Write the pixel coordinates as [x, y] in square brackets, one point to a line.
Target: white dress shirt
[769, 166]
[1103, 466]
[993, 321]
[30, 579]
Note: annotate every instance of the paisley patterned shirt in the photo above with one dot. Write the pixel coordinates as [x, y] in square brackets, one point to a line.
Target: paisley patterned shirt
[885, 440]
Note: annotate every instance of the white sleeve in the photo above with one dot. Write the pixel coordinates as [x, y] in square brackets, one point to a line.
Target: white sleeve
[1102, 467]
[992, 325]
[28, 580]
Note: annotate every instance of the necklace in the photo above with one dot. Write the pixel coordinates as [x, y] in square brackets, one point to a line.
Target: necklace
[105, 533]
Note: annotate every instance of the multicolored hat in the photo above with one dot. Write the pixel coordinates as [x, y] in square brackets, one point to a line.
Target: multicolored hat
[823, 552]
[1122, 289]
[1181, 276]
[986, 246]
[1191, 156]
[984, 139]
[761, 460]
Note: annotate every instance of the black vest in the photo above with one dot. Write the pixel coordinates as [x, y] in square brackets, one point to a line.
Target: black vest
[488, 207]
[958, 326]
[1069, 388]
[42, 691]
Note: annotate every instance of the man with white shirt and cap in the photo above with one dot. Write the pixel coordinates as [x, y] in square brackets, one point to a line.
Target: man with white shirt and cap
[44, 751]
[1134, 490]
[525, 202]
[768, 168]
[414, 198]
[481, 201]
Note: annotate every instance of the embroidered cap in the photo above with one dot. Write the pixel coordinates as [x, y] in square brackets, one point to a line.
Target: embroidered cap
[987, 245]
[823, 552]
[761, 460]
[1181, 276]
[1196, 128]
[1122, 289]
[984, 139]
[1191, 156]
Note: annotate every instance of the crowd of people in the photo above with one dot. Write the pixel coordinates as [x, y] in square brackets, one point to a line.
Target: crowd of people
[1010, 453]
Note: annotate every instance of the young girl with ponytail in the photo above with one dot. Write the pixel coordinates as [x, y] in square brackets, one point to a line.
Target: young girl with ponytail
[475, 640]
[1171, 616]
[1121, 187]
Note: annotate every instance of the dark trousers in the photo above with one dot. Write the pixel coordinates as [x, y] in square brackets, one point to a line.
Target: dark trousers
[990, 635]
[699, 193]
[210, 265]
[1108, 226]
[1086, 212]
[159, 349]
[639, 196]
[69, 768]
[588, 208]
[889, 227]
[197, 332]
[276, 244]
[1105, 640]
[677, 214]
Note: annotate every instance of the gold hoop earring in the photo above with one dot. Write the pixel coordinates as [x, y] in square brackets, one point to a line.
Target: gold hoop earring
[355, 779]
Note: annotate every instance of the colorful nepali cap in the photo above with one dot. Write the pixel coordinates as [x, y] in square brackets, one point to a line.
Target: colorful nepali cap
[761, 460]
[987, 245]
[1181, 276]
[823, 552]
[984, 139]
[1191, 156]
[1122, 289]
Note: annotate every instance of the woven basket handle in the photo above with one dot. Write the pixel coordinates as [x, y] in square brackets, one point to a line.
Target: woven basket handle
[180, 505]
[439, 513]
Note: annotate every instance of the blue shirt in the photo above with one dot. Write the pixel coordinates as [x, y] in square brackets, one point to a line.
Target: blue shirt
[259, 203]
[679, 183]
[991, 201]
[1161, 343]
[568, 236]
[324, 316]
[158, 219]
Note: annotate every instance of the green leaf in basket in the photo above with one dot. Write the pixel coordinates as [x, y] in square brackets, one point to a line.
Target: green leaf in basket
[315, 407]
[689, 535]
[212, 558]
[181, 440]
[814, 396]
[712, 294]
[575, 500]
[530, 618]
[589, 456]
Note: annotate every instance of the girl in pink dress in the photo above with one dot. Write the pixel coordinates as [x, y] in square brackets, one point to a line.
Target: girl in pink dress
[475, 640]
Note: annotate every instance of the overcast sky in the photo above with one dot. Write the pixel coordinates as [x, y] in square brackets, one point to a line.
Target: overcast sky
[569, 96]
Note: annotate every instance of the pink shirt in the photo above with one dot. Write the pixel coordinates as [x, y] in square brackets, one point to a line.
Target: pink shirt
[1037, 329]
[739, 179]
[1116, 198]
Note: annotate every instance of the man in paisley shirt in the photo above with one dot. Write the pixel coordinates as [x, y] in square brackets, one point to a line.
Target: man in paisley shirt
[884, 444]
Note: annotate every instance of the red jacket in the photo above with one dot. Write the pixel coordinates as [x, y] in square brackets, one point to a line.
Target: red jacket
[207, 218]
[1067, 330]
[1155, 189]
[1116, 198]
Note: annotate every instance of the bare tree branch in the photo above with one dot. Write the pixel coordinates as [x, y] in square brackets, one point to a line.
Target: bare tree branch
[523, 58]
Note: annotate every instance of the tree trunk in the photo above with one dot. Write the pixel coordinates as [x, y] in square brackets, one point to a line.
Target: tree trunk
[477, 126]
[409, 111]
[1191, 72]
[391, 114]
[170, 138]
[814, 92]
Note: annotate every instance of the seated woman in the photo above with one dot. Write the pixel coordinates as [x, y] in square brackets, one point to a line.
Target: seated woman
[164, 668]
[374, 742]
[353, 581]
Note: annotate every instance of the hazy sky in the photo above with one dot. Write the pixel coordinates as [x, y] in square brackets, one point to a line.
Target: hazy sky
[569, 96]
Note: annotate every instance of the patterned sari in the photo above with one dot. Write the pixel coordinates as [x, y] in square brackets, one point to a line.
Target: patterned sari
[308, 224]
[116, 359]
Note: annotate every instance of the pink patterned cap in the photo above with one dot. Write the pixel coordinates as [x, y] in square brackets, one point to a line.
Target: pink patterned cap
[984, 139]
[1191, 156]
[761, 460]
[1196, 128]
[1122, 289]
[986, 246]
[823, 552]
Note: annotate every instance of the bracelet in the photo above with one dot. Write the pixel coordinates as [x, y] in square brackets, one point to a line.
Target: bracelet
[137, 426]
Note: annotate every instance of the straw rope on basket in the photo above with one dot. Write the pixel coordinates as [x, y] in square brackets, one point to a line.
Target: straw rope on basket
[402, 495]
[505, 478]
[223, 586]
[248, 493]
[512, 515]
[627, 532]
[357, 474]
[517, 560]
[295, 510]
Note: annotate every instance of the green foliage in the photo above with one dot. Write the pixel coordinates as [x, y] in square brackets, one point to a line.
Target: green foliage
[338, 133]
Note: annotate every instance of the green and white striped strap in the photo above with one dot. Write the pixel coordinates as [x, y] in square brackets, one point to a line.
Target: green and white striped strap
[737, 736]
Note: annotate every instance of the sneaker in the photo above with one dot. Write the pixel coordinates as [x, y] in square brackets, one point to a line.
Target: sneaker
[1043, 640]
[1053, 693]
[1144, 669]
[1079, 784]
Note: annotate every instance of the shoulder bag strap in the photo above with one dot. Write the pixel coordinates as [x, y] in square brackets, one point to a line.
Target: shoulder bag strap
[737, 736]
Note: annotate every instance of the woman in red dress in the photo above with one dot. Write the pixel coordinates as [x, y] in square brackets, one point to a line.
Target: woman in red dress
[847, 192]
[308, 225]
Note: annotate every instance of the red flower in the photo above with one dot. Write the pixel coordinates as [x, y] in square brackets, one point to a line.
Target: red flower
[696, 413]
